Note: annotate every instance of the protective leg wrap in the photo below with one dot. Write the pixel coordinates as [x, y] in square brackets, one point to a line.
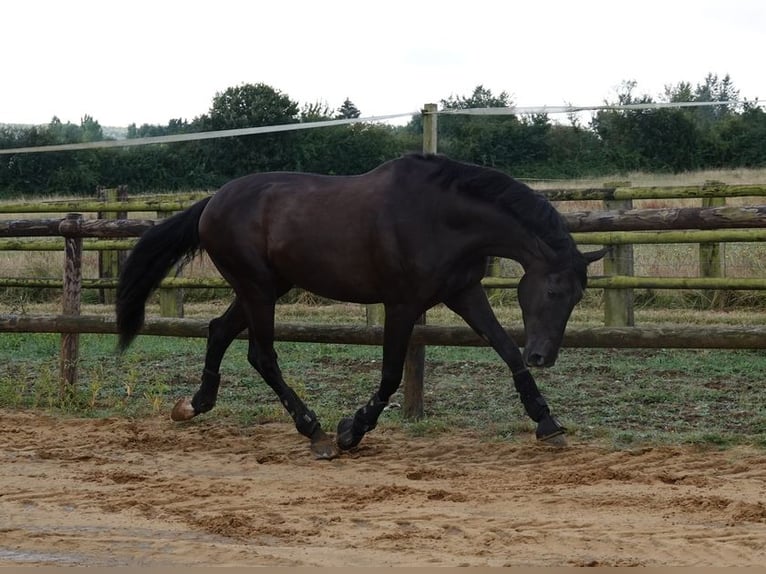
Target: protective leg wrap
[307, 423]
[204, 399]
[549, 427]
[534, 403]
[351, 431]
[366, 418]
[536, 408]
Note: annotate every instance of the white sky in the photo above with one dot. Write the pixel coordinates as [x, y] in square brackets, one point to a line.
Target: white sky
[150, 61]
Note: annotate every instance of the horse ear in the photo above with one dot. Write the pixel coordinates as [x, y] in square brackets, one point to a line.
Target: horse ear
[592, 256]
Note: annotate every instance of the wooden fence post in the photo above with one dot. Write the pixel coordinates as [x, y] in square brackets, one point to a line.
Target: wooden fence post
[70, 342]
[494, 269]
[414, 364]
[375, 314]
[618, 303]
[711, 255]
[171, 298]
[110, 262]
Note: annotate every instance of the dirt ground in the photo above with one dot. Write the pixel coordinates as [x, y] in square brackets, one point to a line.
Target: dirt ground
[117, 492]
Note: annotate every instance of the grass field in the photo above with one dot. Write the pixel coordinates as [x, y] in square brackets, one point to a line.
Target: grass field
[620, 397]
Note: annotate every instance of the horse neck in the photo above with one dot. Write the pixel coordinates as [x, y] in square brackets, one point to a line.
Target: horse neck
[496, 233]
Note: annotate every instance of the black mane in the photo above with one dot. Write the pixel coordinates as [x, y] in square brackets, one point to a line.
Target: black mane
[532, 209]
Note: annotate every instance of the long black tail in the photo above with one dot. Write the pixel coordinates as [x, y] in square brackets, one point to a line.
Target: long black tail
[159, 248]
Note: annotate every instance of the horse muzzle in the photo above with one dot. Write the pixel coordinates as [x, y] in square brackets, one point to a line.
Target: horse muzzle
[542, 354]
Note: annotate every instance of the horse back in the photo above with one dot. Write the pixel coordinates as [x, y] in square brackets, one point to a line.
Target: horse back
[338, 236]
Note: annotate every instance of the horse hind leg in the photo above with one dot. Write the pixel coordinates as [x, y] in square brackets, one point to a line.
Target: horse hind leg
[221, 332]
[263, 357]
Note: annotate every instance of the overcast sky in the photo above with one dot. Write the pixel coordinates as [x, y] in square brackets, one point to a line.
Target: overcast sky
[152, 61]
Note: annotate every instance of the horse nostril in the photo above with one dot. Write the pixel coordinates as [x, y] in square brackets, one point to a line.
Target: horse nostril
[535, 360]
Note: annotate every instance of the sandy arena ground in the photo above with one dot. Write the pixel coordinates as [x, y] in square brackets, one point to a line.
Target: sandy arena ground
[117, 492]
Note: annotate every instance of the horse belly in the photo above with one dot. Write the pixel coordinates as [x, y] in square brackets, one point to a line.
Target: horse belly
[340, 272]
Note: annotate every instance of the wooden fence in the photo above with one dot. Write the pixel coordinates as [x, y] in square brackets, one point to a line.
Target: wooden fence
[618, 227]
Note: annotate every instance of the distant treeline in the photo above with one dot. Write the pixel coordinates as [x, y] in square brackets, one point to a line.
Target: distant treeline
[527, 146]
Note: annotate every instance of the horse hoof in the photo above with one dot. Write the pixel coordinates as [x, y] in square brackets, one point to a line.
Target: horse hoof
[183, 410]
[551, 432]
[345, 438]
[324, 448]
[558, 441]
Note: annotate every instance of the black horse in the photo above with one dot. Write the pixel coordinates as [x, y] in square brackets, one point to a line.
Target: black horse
[414, 232]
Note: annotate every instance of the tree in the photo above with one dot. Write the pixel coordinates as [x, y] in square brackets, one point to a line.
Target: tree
[347, 111]
[175, 126]
[714, 90]
[480, 98]
[672, 139]
[248, 105]
[251, 105]
[504, 141]
[741, 138]
[626, 133]
[478, 139]
[316, 112]
[343, 149]
[90, 130]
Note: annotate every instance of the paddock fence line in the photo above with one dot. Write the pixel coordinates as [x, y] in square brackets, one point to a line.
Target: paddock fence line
[618, 281]
[75, 234]
[655, 337]
[635, 226]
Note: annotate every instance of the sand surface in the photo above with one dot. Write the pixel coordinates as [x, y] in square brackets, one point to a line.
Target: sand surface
[150, 492]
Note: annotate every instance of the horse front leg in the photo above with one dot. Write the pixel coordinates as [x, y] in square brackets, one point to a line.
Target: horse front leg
[221, 332]
[399, 323]
[473, 306]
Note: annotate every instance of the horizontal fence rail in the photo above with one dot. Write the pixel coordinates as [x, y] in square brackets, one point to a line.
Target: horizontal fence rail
[82, 228]
[174, 202]
[177, 202]
[589, 238]
[580, 221]
[594, 282]
[676, 337]
[607, 193]
[704, 218]
[682, 218]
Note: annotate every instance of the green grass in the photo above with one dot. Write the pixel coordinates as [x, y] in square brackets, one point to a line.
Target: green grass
[619, 397]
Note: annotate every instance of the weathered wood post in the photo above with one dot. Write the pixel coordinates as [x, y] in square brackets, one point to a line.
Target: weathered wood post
[171, 298]
[375, 314]
[711, 255]
[414, 364]
[494, 269]
[618, 303]
[110, 262]
[70, 302]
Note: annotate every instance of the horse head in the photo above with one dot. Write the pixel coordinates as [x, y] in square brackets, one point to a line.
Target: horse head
[548, 292]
